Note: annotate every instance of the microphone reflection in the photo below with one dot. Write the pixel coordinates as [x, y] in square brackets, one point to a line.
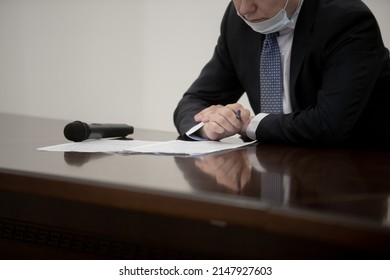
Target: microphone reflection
[79, 159]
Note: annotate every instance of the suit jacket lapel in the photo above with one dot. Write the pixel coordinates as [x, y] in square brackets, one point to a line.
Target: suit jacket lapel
[302, 38]
[254, 46]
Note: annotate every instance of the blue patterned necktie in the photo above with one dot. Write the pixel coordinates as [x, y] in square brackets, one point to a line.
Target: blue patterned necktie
[271, 76]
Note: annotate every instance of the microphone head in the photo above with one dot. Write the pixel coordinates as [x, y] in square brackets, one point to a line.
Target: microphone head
[76, 131]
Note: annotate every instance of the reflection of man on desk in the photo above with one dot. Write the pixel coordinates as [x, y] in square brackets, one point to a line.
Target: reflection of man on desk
[225, 173]
[238, 172]
[328, 181]
[240, 169]
[232, 170]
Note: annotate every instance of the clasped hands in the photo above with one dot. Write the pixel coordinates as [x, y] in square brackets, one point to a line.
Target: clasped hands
[221, 121]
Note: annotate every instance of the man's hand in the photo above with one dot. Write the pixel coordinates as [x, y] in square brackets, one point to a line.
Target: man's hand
[222, 121]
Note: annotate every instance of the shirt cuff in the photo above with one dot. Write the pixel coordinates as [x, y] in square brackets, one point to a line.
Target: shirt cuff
[252, 127]
[191, 133]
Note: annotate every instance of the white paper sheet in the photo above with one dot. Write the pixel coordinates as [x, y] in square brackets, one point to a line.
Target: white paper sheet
[177, 147]
[97, 146]
[174, 147]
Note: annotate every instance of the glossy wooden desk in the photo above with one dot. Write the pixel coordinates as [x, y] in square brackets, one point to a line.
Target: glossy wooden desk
[272, 202]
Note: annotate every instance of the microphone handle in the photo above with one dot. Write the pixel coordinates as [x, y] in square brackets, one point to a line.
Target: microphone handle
[109, 130]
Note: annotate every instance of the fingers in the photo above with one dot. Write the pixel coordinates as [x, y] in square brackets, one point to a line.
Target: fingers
[223, 121]
[203, 116]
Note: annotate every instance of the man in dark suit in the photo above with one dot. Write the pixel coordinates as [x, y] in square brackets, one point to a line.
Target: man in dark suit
[335, 69]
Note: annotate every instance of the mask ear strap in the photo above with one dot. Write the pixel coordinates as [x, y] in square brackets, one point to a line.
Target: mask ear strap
[285, 6]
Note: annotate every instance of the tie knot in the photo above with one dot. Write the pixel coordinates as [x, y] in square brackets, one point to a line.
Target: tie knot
[270, 41]
[272, 36]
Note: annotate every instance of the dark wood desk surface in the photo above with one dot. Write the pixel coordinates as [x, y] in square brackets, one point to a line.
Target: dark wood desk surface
[266, 201]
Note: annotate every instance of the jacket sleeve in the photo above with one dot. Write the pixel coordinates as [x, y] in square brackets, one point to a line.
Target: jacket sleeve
[216, 84]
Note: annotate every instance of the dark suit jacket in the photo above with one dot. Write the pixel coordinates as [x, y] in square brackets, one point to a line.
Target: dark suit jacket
[339, 84]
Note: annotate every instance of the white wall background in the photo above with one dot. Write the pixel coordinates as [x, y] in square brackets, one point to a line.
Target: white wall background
[110, 60]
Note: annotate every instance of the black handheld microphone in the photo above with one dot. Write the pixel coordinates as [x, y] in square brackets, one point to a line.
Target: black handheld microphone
[78, 131]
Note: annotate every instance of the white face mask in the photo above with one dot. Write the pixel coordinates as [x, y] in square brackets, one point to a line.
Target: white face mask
[275, 24]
